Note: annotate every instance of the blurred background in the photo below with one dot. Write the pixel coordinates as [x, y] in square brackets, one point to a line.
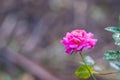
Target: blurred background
[31, 30]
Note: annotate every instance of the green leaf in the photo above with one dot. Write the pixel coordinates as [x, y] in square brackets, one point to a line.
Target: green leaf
[116, 37]
[115, 65]
[89, 60]
[112, 55]
[97, 68]
[83, 73]
[113, 29]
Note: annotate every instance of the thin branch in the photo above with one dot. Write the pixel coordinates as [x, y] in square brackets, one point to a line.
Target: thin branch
[107, 73]
[28, 65]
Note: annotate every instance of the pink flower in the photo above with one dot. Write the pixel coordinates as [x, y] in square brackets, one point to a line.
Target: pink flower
[76, 40]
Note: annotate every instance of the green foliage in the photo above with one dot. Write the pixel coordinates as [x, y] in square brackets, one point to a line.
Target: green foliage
[112, 55]
[115, 65]
[114, 58]
[116, 37]
[83, 73]
[97, 68]
[113, 29]
[116, 34]
[89, 60]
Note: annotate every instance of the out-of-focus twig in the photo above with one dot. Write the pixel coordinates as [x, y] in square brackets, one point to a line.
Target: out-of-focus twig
[7, 29]
[28, 65]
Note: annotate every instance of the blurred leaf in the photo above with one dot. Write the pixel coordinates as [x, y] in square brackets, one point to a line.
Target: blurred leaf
[116, 37]
[89, 60]
[83, 73]
[111, 55]
[115, 64]
[113, 29]
[97, 68]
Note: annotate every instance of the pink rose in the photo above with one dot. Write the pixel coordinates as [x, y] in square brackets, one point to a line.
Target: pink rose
[77, 40]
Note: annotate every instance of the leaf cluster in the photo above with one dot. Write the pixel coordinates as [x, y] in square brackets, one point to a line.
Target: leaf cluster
[113, 56]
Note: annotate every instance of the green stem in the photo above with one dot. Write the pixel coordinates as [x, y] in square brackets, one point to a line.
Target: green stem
[119, 21]
[87, 66]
